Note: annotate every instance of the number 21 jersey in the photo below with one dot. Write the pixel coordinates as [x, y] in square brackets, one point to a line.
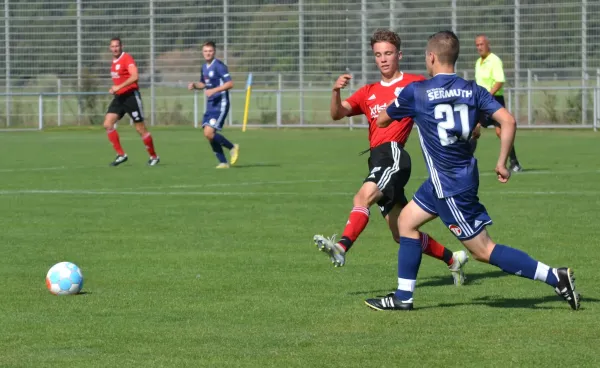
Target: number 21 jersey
[445, 109]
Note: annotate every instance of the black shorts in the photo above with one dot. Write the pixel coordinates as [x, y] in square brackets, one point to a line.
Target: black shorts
[389, 168]
[486, 120]
[129, 103]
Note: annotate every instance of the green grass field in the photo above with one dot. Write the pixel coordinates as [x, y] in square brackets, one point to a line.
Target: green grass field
[187, 266]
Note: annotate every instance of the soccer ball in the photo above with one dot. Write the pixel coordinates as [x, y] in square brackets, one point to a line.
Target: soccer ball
[64, 278]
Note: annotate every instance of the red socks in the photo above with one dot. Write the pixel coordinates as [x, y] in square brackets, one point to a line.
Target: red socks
[147, 138]
[113, 137]
[436, 250]
[357, 221]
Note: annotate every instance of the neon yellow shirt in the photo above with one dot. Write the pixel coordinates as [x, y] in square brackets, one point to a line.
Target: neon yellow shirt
[490, 71]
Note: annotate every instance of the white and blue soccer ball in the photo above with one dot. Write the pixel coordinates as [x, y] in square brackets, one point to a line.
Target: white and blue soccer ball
[64, 278]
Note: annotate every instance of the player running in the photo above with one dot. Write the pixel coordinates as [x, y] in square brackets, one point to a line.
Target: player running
[128, 100]
[389, 163]
[445, 109]
[216, 82]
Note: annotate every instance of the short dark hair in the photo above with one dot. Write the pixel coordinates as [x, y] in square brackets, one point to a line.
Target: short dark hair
[210, 44]
[117, 39]
[445, 45]
[385, 35]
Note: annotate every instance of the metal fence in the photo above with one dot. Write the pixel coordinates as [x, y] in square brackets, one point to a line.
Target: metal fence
[294, 48]
[546, 102]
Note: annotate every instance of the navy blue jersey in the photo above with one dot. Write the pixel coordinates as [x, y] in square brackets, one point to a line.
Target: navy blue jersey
[445, 109]
[214, 75]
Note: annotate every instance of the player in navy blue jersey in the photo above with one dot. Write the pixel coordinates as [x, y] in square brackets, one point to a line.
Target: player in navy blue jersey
[445, 109]
[216, 82]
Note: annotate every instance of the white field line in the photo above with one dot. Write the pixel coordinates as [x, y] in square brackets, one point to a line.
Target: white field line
[285, 182]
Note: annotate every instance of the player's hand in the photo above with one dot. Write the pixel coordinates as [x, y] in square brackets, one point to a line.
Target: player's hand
[192, 86]
[476, 133]
[342, 82]
[113, 90]
[503, 173]
[209, 92]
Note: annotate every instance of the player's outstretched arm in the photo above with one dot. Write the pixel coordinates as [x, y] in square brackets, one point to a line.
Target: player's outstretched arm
[508, 128]
[339, 109]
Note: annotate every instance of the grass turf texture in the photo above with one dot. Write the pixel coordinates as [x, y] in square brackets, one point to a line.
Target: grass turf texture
[186, 265]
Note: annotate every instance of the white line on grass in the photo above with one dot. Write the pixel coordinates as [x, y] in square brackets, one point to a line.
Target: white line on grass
[35, 169]
[285, 182]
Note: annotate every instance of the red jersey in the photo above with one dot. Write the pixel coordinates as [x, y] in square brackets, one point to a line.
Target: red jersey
[119, 72]
[373, 98]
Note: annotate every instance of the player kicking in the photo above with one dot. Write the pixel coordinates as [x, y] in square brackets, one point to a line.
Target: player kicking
[389, 163]
[128, 100]
[445, 109]
[216, 82]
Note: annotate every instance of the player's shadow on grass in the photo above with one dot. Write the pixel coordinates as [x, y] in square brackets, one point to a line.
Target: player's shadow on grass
[441, 280]
[247, 166]
[527, 303]
[472, 279]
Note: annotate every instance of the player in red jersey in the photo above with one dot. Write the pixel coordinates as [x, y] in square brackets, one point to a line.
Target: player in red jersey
[389, 163]
[127, 100]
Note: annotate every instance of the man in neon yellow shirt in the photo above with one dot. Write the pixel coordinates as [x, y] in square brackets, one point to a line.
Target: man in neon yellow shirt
[489, 74]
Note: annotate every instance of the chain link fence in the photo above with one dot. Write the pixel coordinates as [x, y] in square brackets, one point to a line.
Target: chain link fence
[295, 50]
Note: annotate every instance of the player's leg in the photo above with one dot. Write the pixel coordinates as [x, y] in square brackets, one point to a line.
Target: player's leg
[114, 113]
[384, 161]
[234, 149]
[135, 109]
[454, 260]
[516, 262]
[467, 218]
[140, 127]
[412, 217]
[358, 219]
[209, 134]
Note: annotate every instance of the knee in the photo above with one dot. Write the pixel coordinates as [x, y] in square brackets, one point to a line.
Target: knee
[209, 135]
[109, 125]
[361, 199]
[141, 128]
[404, 226]
[483, 253]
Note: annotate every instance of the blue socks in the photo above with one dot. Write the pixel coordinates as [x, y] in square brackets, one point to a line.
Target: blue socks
[217, 145]
[218, 150]
[222, 141]
[519, 263]
[409, 260]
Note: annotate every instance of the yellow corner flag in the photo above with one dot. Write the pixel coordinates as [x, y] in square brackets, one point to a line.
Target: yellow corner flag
[247, 106]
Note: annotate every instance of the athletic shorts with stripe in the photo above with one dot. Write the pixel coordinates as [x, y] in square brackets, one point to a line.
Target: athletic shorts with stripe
[463, 214]
[216, 112]
[129, 103]
[389, 168]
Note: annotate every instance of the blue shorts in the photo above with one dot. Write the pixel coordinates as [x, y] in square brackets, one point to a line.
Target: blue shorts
[461, 213]
[215, 114]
